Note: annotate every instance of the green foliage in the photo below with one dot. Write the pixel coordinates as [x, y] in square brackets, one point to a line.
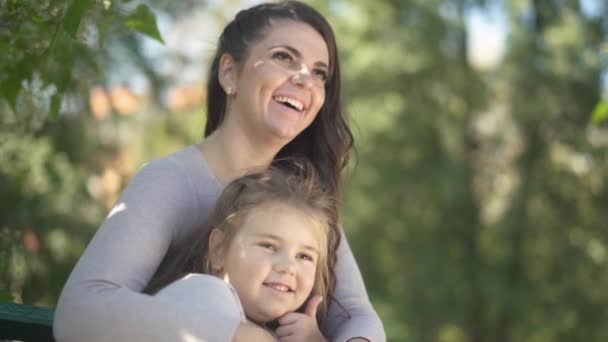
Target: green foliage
[51, 56]
[143, 21]
[600, 113]
[73, 16]
[478, 207]
[53, 40]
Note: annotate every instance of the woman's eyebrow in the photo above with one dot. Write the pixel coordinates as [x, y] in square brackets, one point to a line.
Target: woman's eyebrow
[298, 54]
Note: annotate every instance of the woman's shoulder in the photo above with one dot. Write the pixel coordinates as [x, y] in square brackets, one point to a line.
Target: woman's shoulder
[183, 160]
[186, 166]
[181, 180]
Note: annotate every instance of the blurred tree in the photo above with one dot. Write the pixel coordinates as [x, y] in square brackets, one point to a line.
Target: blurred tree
[552, 235]
[477, 208]
[51, 58]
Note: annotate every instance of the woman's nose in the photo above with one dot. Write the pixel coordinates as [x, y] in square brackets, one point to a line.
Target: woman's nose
[302, 77]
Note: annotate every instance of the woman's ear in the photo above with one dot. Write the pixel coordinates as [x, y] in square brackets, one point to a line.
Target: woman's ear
[227, 73]
[216, 249]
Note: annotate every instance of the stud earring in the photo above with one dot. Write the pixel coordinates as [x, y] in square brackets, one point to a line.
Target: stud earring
[229, 90]
[217, 269]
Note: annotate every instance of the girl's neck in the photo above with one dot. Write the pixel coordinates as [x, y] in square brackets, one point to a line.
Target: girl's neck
[232, 153]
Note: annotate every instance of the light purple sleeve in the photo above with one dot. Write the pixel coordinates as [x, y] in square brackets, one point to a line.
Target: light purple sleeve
[361, 320]
[101, 299]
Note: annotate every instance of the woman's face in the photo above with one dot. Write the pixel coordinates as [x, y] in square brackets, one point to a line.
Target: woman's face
[280, 88]
[272, 260]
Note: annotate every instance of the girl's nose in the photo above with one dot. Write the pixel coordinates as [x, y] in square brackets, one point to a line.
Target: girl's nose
[285, 265]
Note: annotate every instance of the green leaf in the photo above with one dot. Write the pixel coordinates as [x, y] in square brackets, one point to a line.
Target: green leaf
[103, 26]
[55, 106]
[600, 113]
[74, 14]
[86, 55]
[64, 57]
[143, 21]
[5, 296]
[10, 89]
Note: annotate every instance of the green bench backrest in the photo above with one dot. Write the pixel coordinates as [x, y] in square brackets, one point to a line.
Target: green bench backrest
[25, 323]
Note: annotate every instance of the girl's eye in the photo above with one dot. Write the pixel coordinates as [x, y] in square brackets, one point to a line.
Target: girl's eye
[282, 56]
[268, 245]
[306, 257]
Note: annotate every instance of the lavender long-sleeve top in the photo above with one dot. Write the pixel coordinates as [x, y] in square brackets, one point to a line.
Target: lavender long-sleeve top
[167, 199]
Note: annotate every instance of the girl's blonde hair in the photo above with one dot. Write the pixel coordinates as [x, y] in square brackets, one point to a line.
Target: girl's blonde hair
[297, 187]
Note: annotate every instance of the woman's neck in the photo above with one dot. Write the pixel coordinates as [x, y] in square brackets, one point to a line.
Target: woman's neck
[232, 154]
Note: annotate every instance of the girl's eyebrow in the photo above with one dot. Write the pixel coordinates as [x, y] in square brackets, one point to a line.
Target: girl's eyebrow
[298, 54]
[277, 238]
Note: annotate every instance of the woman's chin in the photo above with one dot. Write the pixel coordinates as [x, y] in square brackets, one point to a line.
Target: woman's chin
[285, 134]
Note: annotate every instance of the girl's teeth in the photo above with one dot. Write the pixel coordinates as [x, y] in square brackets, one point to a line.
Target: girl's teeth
[281, 288]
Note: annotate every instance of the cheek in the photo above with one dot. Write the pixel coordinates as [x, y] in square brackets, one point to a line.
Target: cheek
[271, 75]
[248, 262]
[307, 275]
[319, 100]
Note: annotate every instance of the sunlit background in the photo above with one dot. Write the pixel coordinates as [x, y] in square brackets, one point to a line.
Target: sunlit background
[478, 204]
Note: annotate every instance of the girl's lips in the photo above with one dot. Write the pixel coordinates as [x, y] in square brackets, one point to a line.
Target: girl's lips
[280, 287]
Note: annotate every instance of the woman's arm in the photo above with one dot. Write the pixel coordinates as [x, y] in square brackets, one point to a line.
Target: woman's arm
[364, 322]
[101, 299]
[212, 292]
[248, 332]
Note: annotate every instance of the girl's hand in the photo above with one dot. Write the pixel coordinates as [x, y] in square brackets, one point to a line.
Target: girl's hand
[298, 327]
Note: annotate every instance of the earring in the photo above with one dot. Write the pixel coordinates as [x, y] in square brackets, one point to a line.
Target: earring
[229, 90]
[217, 270]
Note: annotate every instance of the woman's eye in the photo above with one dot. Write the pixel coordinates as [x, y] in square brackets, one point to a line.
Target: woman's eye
[282, 56]
[321, 75]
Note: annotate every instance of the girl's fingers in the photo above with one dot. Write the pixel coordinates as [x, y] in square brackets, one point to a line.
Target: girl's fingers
[290, 318]
[312, 305]
[285, 331]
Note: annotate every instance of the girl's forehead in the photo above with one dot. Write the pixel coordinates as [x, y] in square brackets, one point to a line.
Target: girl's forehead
[283, 220]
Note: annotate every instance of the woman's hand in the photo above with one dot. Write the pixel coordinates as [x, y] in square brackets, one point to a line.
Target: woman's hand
[296, 327]
[249, 332]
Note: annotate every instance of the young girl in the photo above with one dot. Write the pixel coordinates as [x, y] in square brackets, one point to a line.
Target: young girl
[267, 237]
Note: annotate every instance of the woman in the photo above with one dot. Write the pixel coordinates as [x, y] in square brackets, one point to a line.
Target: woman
[273, 92]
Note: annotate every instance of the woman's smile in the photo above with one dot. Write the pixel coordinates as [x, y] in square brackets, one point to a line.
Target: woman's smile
[280, 88]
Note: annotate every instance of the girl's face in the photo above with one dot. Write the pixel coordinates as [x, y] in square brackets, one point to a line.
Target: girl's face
[280, 88]
[272, 259]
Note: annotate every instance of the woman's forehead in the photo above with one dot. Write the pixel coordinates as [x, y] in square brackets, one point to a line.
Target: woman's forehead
[298, 35]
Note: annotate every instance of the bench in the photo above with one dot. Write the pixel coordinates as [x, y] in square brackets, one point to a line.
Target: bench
[22, 322]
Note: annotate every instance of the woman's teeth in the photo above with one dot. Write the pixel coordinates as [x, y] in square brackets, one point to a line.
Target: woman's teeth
[295, 104]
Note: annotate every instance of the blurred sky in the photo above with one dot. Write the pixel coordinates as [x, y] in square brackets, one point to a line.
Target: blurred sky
[488, 30]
